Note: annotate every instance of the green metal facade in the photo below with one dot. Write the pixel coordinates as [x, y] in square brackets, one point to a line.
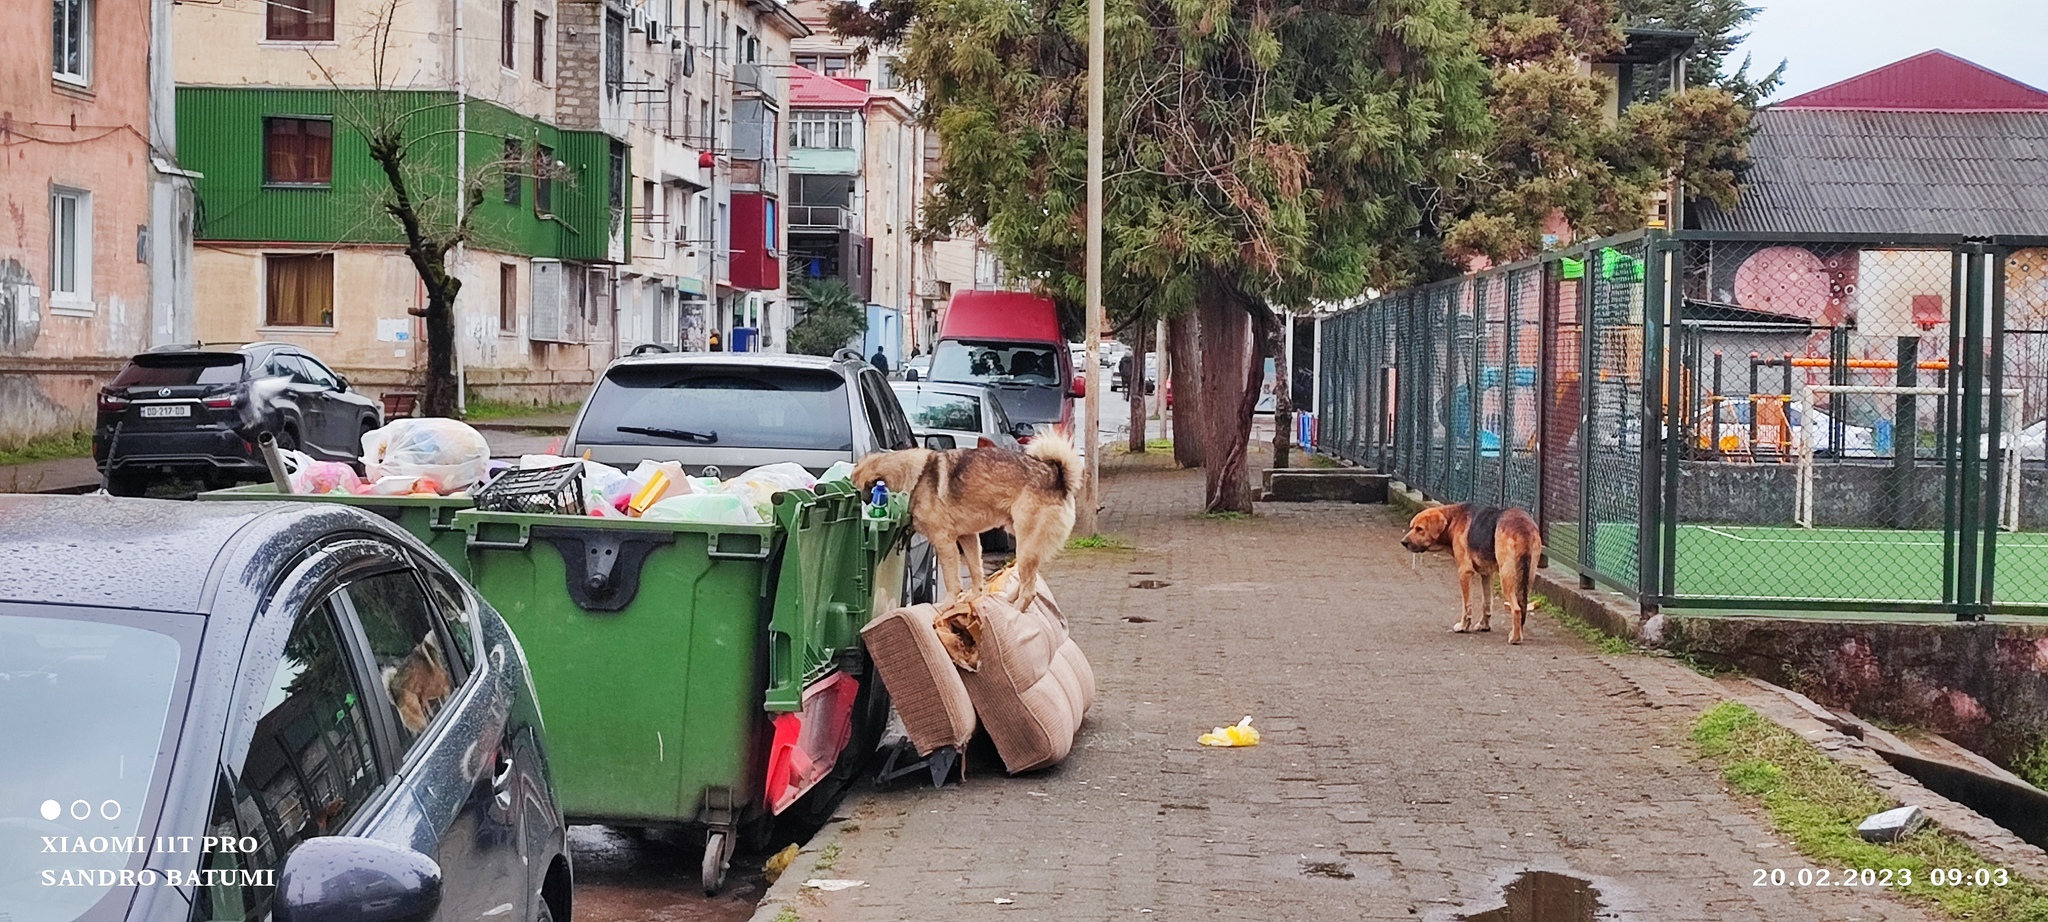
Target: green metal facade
[222, 130]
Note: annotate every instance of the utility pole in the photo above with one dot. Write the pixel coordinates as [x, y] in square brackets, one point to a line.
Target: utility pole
[1084, 518]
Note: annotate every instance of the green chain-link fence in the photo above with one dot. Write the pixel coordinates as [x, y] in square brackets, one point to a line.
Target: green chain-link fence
[1721, 420]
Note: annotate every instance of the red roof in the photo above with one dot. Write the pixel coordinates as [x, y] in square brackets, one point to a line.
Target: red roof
[1002, 315]
[809, 89]
[1932, 81]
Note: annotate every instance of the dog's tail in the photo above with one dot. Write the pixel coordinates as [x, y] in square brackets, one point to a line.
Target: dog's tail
[1059, 454]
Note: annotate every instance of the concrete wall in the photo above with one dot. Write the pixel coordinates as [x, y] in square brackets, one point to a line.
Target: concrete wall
[1985, 685]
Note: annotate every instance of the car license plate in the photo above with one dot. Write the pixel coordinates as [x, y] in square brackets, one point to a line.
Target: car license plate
[167, 410]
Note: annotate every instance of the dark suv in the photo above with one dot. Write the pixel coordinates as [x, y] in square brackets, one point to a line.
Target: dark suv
[176, 411]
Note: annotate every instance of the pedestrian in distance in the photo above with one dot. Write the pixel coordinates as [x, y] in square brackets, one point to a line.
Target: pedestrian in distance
[880, 361]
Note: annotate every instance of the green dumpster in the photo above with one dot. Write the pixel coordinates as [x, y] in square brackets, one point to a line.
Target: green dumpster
[695, 674]
[428, 518]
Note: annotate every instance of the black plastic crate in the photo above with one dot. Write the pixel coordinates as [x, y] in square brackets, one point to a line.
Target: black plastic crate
[554, 490]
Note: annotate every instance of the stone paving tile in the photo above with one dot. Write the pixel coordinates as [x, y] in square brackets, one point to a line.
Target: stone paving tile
[1428, 767]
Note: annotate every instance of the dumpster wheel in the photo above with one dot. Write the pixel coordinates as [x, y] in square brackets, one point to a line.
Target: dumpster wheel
[718, 846]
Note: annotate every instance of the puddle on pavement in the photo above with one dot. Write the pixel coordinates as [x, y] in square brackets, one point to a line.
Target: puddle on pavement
[1544, 896]
[1150, 584]
[1334, 870]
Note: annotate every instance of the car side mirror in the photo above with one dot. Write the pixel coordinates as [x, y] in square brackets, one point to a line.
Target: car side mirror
[346, 879]
[341, 382]
[940, 442]
[1023, 431]
[910, 374]
[1080, 388]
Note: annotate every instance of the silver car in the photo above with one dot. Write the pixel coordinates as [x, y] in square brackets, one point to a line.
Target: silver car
[958, 415]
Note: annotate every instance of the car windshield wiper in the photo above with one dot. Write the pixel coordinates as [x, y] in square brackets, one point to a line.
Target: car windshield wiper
[704, 438]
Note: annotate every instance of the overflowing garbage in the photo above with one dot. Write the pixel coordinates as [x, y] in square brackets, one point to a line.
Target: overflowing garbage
[448, 458]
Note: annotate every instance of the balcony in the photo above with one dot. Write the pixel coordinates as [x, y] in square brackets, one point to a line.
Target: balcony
[751, 78]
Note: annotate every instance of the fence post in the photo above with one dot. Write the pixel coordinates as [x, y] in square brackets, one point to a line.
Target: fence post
[1546, 386]
[1951, 446]
[1509, 297]
[1969, 606]
[1475, 389]
[1589, 392]
[1675, 408]
[1993, 494]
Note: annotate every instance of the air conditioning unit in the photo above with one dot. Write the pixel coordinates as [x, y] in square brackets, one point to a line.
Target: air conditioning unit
[638, 22]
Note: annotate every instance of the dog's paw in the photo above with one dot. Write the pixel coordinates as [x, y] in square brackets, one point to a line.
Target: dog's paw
[1460, 628]
[1485, 629]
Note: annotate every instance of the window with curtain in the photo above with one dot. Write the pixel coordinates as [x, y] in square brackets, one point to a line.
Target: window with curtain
[71, 40]
[298, 151]
[299, 21]
[300, 290]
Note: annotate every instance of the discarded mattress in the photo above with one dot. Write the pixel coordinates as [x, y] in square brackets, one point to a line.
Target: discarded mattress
[921, 678]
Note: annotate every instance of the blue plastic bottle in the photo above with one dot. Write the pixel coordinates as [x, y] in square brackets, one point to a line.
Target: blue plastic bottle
[878, 500]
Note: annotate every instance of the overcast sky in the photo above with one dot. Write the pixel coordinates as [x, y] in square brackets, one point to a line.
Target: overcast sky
[1823, 41]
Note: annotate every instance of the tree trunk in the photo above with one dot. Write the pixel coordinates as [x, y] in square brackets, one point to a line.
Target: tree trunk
[1134, 388]
[1182, 335]
[438, 398]
[1232, 367]
[1283, 385]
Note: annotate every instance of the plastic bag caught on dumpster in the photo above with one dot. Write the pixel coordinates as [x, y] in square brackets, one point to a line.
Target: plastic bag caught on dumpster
[314, 477]
[445, 454]
[840, 470]
[786, 475]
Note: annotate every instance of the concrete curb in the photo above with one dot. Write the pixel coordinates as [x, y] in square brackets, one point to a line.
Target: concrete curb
[788, 890]
[516, 425]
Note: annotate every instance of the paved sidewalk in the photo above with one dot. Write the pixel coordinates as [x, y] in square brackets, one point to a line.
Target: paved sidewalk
[1406, 772]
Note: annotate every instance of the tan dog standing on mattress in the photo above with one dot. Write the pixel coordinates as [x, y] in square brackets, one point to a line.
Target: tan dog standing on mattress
[956, 495]
[1485, 541]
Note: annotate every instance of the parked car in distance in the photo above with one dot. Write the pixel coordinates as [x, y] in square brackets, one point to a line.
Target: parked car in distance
[1010, 339]
[302, 683]
[917, 368]
[721, 413]
[946, 416]
[172, 412]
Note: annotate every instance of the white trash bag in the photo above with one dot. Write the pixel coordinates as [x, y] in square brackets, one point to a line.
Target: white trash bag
[445, 455]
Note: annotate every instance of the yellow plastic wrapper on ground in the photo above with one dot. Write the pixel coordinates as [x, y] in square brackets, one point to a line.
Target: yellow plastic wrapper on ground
[1241, 733]
[778, 863]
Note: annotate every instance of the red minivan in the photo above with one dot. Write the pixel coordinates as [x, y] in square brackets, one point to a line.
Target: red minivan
[1011, 341]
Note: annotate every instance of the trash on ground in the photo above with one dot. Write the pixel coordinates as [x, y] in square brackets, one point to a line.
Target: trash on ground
[830, 884]
[779, 862]
[1892, 825]
[1241, 733]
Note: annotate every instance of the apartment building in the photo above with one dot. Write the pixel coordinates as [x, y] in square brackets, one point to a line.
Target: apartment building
[707, 87]
[96, 266]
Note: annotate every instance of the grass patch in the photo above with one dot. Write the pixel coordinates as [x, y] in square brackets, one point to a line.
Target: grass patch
[827, 858]
[1099, 543]
[1817, 804]
[787, 915]
[2032, 764]
[1578, 627]
[487, 410]
[1228, 515]
[1158, 444]
[50, 447]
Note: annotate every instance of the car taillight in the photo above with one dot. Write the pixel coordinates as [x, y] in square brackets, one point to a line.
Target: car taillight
[1024, 440]
[112, 403]
[222, 402]
[985, 442]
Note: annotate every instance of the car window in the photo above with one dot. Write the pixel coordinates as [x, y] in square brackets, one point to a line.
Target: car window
[999, 416]
[317, 373]
[726, 406]
[891, 428]
[408, 652]
[929, 410]
[878, 421]
[83, 711]
[176, 370]
[287, 365]
[458, 614]
[995, 362]
[310, 767]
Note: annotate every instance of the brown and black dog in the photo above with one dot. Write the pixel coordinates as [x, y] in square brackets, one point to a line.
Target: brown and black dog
[1485, 541]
